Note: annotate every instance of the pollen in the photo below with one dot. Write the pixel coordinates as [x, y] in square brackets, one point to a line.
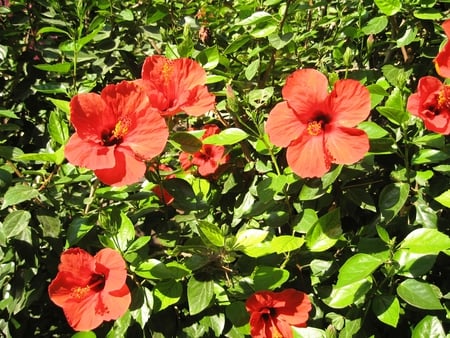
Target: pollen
[167, 70]
[80, 292]
[444, 98]
[121, 128]
[314, 128]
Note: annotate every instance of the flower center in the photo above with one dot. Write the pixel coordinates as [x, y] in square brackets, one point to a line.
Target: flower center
[95, 284]
[314, 128]
[116, 135]
[167, 70]
[443, 101]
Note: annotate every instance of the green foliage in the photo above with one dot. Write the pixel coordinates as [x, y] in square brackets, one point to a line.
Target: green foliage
[368, 242]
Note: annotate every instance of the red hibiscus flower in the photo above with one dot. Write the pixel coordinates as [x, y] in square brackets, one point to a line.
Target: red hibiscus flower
[176, 86]
[208, 158]
[273, 313]
[442, 60]
[116, 132]
[317, 126]
[90, 289]
[431, 103]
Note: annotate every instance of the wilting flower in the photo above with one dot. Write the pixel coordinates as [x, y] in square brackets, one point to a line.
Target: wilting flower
[116, 132]
[317, 127]
[176, 86]
[163, 195]
[273, 313]
[442, 60]
[208, 158]
[431, 103]
[90, 289]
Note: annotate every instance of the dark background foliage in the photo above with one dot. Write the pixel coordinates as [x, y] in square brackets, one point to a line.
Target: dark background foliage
[347, 239]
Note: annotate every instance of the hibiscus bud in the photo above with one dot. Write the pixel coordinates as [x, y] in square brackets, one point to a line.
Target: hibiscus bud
[232, 102]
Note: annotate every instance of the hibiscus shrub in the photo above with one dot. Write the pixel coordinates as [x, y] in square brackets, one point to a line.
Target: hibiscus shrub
[239, 168]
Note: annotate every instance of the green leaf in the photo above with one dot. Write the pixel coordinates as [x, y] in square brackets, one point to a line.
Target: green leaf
[211, 233]
[16, 222]
[420, 294]
[126, 233]
[308, 332]
[226, 137]
[18, 194]
[8, 113]
[356, 268]
[209, 57]
[444, 198]
[63, 105]
[268, 277]
[58, 128]
[426, 156]
[252, 69]
[120, 326]
[387, 309]
[237, 313]
[84, 334]
[373, 130]
[392, 199]
[389, 7]
[139, 243]
[264, 30]
[408, 37]
[52, 30]
[325, 233]
[187, 142]
[286, 243]
[153, 268]
[426, 241]
[249, 237]
[429, 327]
[375, 25]
[428, 14]
[200, 295]
[279, 41]
[255, 18]
[166, 293]
[394, 108]
[61, 68]
[413, 264]
[10, 153]
[78, 228]
[344, 296]
[235, 45]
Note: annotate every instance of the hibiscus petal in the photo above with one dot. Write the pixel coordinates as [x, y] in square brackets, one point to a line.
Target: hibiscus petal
[188, 73]
[149, 137]
[257, 326]
[346, 145]
[82, 315]
[296, 309]
[306, 91]
[88, 154]
[280, 327]
[128, 169]
[116, 303]
[348, 103]
[437, 123]
[308, 157]
[111, 261]
[283, 126]
[126, 99]
[199, 101]
[442, 60]
[414, 105]
[90, 116]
